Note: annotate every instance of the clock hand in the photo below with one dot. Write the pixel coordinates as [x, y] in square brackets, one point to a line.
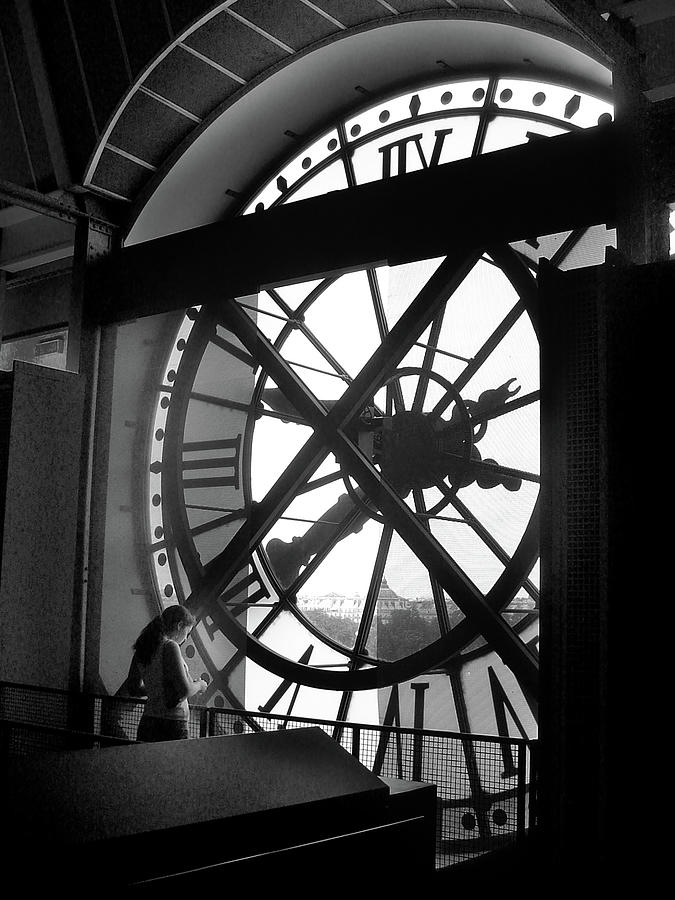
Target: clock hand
[411, 455]
[287, 558]
[277, 400]
[489, 403]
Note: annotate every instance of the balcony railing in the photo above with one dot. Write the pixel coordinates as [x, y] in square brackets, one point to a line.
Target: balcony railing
[485, 784]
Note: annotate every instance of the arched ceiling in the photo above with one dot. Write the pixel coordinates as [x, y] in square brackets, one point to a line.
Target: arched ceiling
[211, 114]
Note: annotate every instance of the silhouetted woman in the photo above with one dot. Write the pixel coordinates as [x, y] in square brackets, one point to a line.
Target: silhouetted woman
[159, 672]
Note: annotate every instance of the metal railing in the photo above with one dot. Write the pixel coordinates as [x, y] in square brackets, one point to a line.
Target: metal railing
[485, 784]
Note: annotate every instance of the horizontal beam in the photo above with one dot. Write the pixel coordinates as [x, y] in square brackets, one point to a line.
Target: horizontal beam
[61, 206]
[542, 187]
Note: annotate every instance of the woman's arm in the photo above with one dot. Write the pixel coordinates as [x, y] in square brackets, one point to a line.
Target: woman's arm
[177, 684]
[133, 685]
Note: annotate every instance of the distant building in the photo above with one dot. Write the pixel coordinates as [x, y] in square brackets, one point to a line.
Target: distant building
[352, 607]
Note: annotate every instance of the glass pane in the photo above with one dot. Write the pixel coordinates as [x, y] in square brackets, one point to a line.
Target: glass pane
[343, 319]
[507, 132]
[399, 285]
[275, 445]
[301, 166]
[290, 638]
[270, 693]
[590, 249]
[542, 246]
[440, 98]
[472, 313]
[551, 100]
[332, 178]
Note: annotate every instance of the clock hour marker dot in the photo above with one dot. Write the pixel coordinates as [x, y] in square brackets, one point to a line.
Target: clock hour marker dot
[180, 344]
[506, 95]
[539, 98]
[164, 402]
[159, 434]
[161, 559]
[171, 375]
[469, 821]
[355, 130]
[604, 118]
[384, 115]
[478, 94]
[332, 144]
[205, 677]
[168, 590]
[446, 97]
[499, 817]
[259, 207]
[157, 499]
[238, 726]
[219, 701]
[306, 163]
[156, 467]
[192, 313]
[159, 532]
[190, 651]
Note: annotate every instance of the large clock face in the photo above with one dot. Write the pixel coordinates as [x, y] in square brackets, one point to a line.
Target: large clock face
[344, 473]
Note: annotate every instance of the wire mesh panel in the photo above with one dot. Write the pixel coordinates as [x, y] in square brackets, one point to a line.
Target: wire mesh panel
[34, 704]
[481, 782]
[26, 739]
[119, 716]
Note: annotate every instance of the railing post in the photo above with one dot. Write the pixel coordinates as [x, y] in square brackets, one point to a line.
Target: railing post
[521, 791]
[417, 756]
[356, 742]
[533, 748]
[203, 722]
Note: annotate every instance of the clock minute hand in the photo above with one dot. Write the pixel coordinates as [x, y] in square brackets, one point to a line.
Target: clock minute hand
[279, 403]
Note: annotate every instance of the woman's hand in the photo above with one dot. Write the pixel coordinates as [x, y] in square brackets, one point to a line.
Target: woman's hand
[199, 686]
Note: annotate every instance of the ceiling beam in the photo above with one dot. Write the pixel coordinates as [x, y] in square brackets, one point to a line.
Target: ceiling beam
[543, 187]
[613, 40]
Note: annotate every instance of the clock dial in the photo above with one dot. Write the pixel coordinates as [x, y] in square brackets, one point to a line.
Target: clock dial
[371, 469]
[344, 473]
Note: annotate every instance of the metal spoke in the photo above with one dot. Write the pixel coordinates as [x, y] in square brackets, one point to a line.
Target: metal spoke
[394, 389]
[428, 361]
[320, 482]
[489, 540]
[436, 589]
[313, 339]
[370, 603]
[490, 345]
[567, 246]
